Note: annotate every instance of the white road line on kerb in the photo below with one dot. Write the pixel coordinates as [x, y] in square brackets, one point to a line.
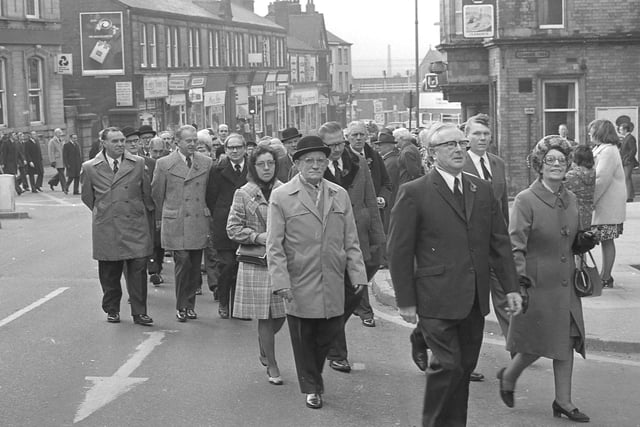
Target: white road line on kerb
[500, 342]
[30, 307]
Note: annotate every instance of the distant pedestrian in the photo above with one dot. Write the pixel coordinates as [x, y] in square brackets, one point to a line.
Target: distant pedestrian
[146, 132]
[628, 152]
[290, 138]
[10, 158]
[179, 186]
[72, 162]
[610, 193]
[154, 267]
[312, 243]
[56, 158]
[33, 157]
[116, 190]
[247, 225]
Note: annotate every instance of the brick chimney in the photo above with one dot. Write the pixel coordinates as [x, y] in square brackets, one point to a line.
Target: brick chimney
[246, 4]
[280, 10]
[311, 8]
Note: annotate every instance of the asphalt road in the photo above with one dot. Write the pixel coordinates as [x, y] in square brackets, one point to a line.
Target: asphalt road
[62, 364]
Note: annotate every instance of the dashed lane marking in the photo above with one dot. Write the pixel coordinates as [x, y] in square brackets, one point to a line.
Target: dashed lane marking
[30, 307]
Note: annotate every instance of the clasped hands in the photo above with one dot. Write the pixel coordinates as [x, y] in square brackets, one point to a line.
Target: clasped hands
[287, 294]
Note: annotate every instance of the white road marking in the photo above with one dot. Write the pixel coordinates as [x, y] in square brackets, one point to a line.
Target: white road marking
[30, 307]
[107, 389]
[500, 342]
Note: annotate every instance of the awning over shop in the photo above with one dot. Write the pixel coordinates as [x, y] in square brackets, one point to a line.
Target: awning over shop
[259, 78]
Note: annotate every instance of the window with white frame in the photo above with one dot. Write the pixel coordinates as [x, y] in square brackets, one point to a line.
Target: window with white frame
[3, 93]
[214, 49]
[144, 59]
[254, 51]
[153, 46]
[35, 83]
[194, 47]
[227, 49]
[458, 23]
[560, 104]
[280, 53]
[551, 13]
[345, 57]
[239, 49]
[32, 8]
[266, 51]
[173, 60]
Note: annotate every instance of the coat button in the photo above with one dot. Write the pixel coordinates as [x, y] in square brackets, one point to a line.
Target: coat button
[565, 282]
[187, 214]
[472, 270]
[563, 258]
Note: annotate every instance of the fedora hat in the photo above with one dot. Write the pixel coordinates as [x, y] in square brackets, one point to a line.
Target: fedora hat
[146, 129]
[309, 144]
[290, 133]
[127, 131]
[385, 137]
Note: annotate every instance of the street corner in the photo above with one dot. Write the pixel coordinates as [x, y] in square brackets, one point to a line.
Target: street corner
[382, 288]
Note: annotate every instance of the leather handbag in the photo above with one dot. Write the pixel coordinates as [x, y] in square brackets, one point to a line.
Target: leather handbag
[252, 254]
[586, 279]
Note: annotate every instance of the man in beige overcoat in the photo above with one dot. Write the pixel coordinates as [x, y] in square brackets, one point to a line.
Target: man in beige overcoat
[116, 189]
[56, 159]
[179, 186]
[312, 242]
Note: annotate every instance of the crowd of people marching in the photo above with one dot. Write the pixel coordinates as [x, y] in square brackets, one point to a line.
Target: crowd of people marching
[295, 228]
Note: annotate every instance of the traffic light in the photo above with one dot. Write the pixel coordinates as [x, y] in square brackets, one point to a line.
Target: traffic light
[252, 105]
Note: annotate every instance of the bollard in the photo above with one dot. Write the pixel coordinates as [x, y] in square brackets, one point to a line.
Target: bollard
[7, 193]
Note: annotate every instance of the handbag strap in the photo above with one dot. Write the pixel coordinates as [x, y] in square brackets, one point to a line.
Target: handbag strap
[260, 217]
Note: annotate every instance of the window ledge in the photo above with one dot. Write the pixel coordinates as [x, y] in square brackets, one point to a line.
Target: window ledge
[551, 26]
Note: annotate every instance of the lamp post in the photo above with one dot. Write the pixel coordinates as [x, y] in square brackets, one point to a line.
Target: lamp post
[417, 72]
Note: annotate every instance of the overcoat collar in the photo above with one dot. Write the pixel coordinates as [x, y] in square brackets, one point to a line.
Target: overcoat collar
[102, 167]
[350, 166]
[468, 190]
[178, 167]
[551, 199]
[297, 187]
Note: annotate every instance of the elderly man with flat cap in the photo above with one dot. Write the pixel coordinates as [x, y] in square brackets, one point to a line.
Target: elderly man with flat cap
[312, 242]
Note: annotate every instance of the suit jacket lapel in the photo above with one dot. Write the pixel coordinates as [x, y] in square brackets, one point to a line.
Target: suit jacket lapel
[305, 199]
[445, 192]
[329, 194]
[469, 196]
[125, 168]
[177, 166]
[197, 168]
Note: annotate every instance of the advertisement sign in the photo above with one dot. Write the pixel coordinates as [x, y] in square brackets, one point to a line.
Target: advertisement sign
[195, 95]
[155, 87]
[214, 98]
[303, 97]
[124, 94]
[177, 99]
[64, 64]
[256, 90]
[101, 44]
[478, 18]
[179, 82]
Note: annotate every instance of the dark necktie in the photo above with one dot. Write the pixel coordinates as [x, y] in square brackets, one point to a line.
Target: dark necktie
[485, 171]
[115, 166]
[457, 194]
[188, 159]
[337, 172]
[238, 170]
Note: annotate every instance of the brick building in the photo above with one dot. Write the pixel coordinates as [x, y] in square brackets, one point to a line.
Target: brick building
[341, 78]
[535, 64]
[30, 89]
[175, 62]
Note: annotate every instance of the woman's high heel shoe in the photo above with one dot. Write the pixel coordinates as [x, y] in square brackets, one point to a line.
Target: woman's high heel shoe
[574, 415]
[274, 380]
[607, 283]
[505, 395]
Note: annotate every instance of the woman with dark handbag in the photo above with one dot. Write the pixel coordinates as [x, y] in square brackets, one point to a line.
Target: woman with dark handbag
[543, 227]
[247, 225]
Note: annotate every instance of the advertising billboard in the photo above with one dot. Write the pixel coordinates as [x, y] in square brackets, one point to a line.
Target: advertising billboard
[101, 44]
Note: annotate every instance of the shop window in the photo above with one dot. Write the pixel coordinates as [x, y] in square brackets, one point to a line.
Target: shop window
[36, 101]
[3, 93]
[560, 102]
[32, 8]
[551, 13]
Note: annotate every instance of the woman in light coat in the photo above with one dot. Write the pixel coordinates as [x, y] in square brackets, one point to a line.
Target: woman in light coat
[610, 193]
[247, 225]
[542, 227]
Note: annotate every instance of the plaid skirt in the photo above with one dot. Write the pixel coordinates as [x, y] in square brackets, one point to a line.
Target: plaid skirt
[254, 296]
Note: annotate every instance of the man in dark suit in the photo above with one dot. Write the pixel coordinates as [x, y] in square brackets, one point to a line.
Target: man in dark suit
[224, 179]
[33, 157]
[22, 166]
[386, 145]
[446, 231]
[290, 138]
[72, 162]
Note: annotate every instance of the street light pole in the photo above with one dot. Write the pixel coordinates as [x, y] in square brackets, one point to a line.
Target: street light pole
[417, 72]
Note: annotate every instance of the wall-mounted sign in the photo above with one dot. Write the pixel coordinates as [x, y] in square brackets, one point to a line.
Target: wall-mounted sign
[179, 82]
[155, 87]
[257, 90]
[195, 95]
[124, 94]
[198, 81]
[64, 64]
[101, 43]
[214, 98]
[478, 18]
[526, 54]
[177, 99]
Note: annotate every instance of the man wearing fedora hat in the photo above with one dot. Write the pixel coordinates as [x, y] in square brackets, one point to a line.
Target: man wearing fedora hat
[145, 133]
[311, 231]
[290, 138]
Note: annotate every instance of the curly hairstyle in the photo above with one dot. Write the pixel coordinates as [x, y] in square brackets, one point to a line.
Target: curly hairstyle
[546, 144]
[252, 174]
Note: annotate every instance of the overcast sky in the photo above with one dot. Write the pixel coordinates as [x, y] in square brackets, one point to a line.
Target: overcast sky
[371, 25]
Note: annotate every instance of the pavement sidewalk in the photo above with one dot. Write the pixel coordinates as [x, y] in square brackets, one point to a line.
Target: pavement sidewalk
[612, 321]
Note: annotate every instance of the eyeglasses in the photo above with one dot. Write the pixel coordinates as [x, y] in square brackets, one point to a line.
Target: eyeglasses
[463, 143]
[313, 162]
[550, 160]
[268, 163]
[336, 145]
[357, 134]
[235, 147]
[132, 141]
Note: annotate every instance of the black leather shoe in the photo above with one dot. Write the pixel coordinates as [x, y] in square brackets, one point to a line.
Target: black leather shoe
[340, 365]
[223, 312]
[506, 395]
[369, 323]
[181, 315]
[199, 291]
[314, 400]
[113, 317]
[156, 279]
[142, 319]
[476, 376]
[51, 187]
[419, 354]
[191, 314]
[574, 415]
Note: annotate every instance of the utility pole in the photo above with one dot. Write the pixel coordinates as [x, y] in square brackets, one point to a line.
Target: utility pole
[417, 73]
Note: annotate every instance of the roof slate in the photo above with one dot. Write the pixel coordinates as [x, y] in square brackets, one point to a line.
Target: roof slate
[332, 38]
[309, 28]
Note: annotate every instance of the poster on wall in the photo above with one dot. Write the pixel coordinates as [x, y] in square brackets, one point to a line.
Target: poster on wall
[101, 44]
[617, 115]
[478, 18]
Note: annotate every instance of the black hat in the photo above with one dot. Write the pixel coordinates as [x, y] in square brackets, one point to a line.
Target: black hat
[127, 131]
[309, 144]
[251, 144]
[290, 133]
[386, 137]
[146, 129]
